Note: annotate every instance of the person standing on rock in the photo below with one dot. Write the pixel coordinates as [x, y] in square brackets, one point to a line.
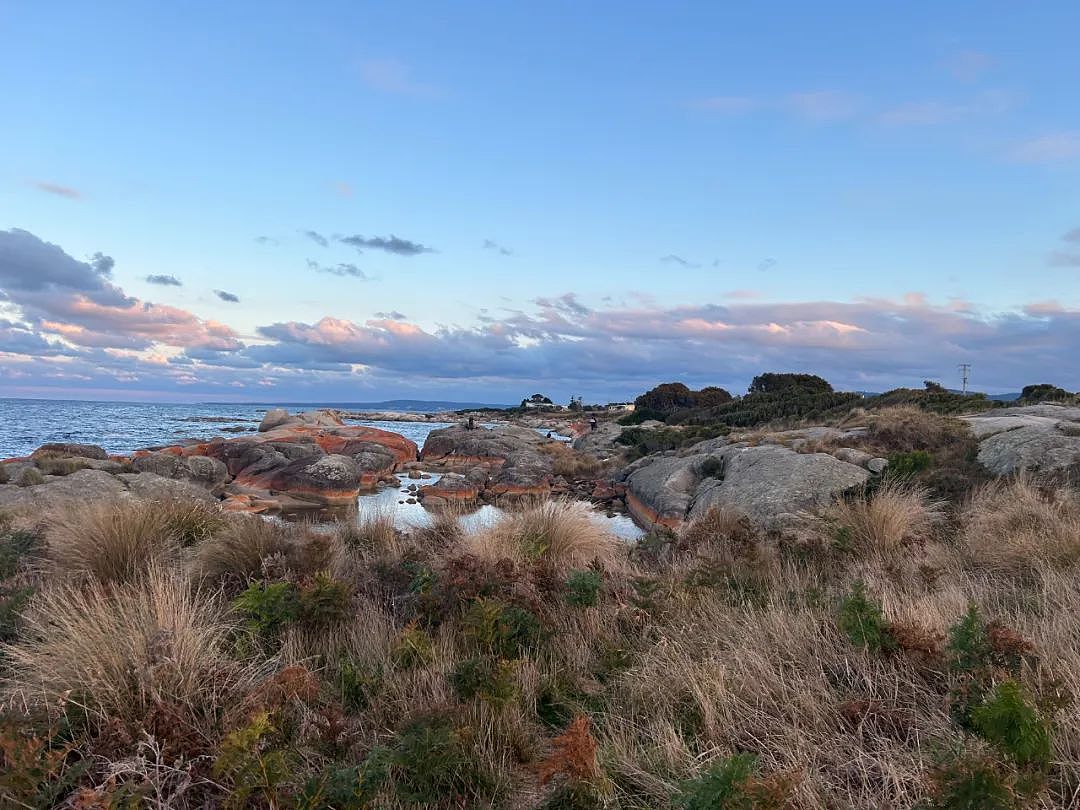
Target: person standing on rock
[592, 423]
[471, 424]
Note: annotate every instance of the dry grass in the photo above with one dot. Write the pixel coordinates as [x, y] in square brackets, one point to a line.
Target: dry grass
[112, 542]
[117, 651]
[897, 513]
[905, 428]
[1013, 525]
[372, 535]
[571, 464]
[565, 534]
[237, 551]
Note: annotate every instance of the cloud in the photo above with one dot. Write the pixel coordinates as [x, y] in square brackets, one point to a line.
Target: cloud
[497, 248]
[389, 244]
[227, 296]
[1072, 235]
[727, 105]
[58, 190]
[1061, 258]
[1055, 147]
[317, 238]
[671, 258]
[765, 265]
[338, 270]
[392, 315]
[968, 65]
[393, 76]
[267, 240]
[930, 113]
[56, 295]
[164, 281]
[822, 106]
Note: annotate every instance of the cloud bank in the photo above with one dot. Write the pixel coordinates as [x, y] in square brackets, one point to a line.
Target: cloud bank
[67, 329]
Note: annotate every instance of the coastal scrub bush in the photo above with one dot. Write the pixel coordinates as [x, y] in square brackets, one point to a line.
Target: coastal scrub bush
[371, 535]
[61, 465]
[969, 650]
[862, 621]
[973, 781]
[112, 541]
[731, 783]
[268, 607]
[583, 588]
[905, 465]
[413, 648]
[485, 677]
[190, 520]
[1010, 721]
[906, 428]
[118, 650]
[500, 629]
[323, 601]
[250, 763]
[432, 762]
[358, 683]
[1044, 392]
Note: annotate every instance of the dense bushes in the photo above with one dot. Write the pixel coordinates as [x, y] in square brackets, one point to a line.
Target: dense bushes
[671, 397]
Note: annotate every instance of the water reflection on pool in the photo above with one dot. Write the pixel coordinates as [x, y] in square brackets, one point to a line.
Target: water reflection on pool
[394, 500]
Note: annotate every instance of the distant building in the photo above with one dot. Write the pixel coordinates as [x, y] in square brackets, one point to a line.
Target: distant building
[540, 402]
[619, 406]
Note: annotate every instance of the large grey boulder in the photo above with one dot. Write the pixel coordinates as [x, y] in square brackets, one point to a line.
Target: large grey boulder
[83, 485]
[152, 487]
[275, 417]
[770, 483]
[204, 471]
[1043, 437]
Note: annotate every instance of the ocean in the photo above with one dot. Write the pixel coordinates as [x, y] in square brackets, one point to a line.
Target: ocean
[120, 427]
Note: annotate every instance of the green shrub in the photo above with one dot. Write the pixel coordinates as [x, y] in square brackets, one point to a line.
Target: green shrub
[13, 601]
[639, 415]
[863, 623]
[712, 467]
[358, 683]
[268, 607]
[969, 648]
[583, 588]
[506, 631]
[413, 649]
[14, 547]
[1009, 721]
[489, 679]
[731, 783]
[250, 764]
[432, 764]
[346, 787]
[908, 464]
[324, 602]
[574, 796]
[973, 782]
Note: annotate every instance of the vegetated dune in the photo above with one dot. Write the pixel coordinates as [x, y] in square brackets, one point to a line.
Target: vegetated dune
[891, 650]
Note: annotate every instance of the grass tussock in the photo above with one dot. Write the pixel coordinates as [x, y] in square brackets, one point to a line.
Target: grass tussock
[572, 464]
[897, 513]
[906, 428]
[564, 534]
[237, 553]
[120, 650]
[115, 542]
[1016, 524]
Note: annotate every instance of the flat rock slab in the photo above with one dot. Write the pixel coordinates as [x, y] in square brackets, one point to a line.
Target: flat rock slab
[1042, 437]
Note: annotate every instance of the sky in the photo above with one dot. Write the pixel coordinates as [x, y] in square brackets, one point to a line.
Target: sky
[354, 201]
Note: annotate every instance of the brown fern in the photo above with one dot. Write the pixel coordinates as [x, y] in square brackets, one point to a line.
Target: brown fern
[573, 753]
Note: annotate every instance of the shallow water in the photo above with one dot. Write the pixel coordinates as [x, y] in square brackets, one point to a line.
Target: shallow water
[409, 516]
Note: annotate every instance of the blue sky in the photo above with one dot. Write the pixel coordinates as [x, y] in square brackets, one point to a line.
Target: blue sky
[872, 191]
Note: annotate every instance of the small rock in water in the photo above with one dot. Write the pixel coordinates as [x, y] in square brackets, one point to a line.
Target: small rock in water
[410, 500]
[414, 473]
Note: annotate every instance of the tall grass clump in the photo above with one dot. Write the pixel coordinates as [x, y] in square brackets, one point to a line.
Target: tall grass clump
[236, 553]
[898, 512]
[564, 534]
[117, 651]
[906, 428]
[110, 541]
[1014, 524]
[371, 535]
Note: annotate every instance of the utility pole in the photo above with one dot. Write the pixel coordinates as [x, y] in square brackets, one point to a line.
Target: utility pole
[965, 370]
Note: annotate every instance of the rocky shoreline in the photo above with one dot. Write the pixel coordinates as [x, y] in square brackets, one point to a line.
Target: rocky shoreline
[313, 462]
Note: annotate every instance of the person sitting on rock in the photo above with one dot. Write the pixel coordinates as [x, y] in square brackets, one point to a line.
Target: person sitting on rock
[471, 424]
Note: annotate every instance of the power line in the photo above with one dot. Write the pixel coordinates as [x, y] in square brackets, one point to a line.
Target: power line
[965, 370]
